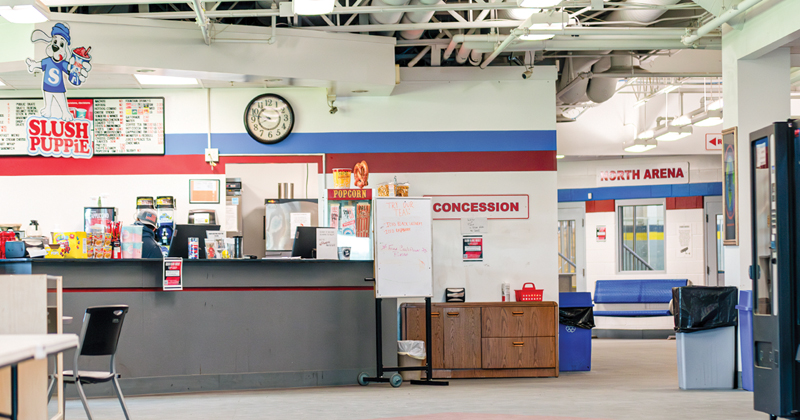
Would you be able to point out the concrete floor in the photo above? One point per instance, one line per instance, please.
(630, 380)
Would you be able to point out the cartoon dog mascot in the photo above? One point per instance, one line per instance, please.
(60, 61)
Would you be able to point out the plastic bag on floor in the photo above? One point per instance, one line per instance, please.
(703, 308)
(576, 317)
(412, 348)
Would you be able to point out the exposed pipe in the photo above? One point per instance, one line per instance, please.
(719, 20)
(418, 17)
(575, 82)
(516, 33)
(384, 19)
(202, 21)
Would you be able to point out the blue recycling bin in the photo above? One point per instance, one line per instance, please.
(574, 343)
(745, 308)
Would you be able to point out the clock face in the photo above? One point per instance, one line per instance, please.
(269, 118)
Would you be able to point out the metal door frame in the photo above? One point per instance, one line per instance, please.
(712, 205)
(577, 211)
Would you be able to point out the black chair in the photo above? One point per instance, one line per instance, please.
(99, 337)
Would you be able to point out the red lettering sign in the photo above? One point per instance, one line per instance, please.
(58, 138)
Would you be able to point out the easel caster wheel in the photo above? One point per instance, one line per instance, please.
(362, 379)
(396, 380)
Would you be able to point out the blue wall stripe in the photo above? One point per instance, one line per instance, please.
(390, 142)
(186, 144)
(645, 191)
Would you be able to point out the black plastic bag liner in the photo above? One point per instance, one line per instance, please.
(577, 317)
(704, 308)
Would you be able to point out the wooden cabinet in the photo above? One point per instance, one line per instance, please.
(414, 329)
(462, 338)
(472, 340)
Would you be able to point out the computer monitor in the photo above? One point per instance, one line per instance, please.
(305, 242)
(179, 247)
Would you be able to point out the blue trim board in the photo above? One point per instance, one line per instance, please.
(378, 142)
(644, 191)
(186, 144)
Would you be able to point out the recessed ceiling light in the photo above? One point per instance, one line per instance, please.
(32, 12)
(152, 79)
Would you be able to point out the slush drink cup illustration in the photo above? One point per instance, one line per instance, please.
(82, 57)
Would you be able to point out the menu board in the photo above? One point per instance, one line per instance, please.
(129, 126)
(122, 126)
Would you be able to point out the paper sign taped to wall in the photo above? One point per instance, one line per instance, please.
(685, 241)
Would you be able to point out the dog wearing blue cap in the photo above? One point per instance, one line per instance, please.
(60, 61)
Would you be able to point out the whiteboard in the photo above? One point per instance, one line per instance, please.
(403, 247)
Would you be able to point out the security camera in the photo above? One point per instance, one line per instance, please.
(527, 74)
(334, 110)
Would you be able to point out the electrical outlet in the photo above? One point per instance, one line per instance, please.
(212, 155)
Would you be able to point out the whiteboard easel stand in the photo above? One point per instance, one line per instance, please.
(396, 380)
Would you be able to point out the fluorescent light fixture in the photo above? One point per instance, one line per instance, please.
(536, 3)
(645, 135)
(152, 79)
(716, 105)
(708, 119)
(312, 7)
(24, 11)
(671, 133)
(559, 156)
(681, 121)
(640, 146)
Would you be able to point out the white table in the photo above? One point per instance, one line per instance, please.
(16, 348)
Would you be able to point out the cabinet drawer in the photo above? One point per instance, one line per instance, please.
(518, 321)
(522, 352)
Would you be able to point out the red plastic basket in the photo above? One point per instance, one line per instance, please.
(529, 294)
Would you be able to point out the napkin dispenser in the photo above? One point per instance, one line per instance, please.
(15, 249)
(455, 294)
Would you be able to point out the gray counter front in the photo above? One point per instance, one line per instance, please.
(238, 324)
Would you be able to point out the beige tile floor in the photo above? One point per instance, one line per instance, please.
(630, 380)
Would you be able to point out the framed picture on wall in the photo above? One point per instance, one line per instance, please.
(730, 186)
(204, 191)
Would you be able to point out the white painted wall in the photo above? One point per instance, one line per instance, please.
(516, 251)
(57, 202)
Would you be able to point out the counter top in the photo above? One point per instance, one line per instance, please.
(158, 260)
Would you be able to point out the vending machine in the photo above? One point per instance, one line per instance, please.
(349, 210)
(775, 205)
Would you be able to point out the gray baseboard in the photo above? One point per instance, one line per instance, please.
(633, 334)
(222, 382)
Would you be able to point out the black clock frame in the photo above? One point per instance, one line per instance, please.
(257, 138)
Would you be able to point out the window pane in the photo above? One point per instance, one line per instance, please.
(642, 238)
(720, 251)
(566, 246)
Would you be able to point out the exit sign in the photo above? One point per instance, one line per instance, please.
(714, 141)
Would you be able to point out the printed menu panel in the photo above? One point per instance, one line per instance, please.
(121, 126)
(129, 126)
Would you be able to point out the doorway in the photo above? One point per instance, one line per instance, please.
(571, 247)
(715, 264)
(259, 182)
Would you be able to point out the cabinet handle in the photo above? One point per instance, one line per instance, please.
(518, 343)
(517, 313)
(452, 314)
(434, 314)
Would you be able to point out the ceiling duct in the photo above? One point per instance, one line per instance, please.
(598, 89)
(418, 17)
(387, 18)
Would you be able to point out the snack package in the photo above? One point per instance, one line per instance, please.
(362, 220)
(71, 244)
(348, 221)
(386, 189)
(402, 190)
(334, 223)
(54, 252)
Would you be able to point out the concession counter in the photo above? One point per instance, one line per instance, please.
(237, 324)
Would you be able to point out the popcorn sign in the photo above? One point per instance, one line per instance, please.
(54, 137)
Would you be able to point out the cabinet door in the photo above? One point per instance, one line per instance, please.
(415, 330)
(462, 338)
(522, 352)
(518, 321)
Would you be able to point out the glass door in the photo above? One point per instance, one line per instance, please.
(715, 258)
(571, 249)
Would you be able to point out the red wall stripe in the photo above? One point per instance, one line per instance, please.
(135, 165)
(218, 289)
(523, 161)
(685, 203)
(600, 206)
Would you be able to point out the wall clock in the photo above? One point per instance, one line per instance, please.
(268, 118)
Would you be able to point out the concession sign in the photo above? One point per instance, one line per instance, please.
(448, 207)
(642, 174)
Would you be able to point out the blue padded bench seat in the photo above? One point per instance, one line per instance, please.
(633, 313)
(637, 293)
